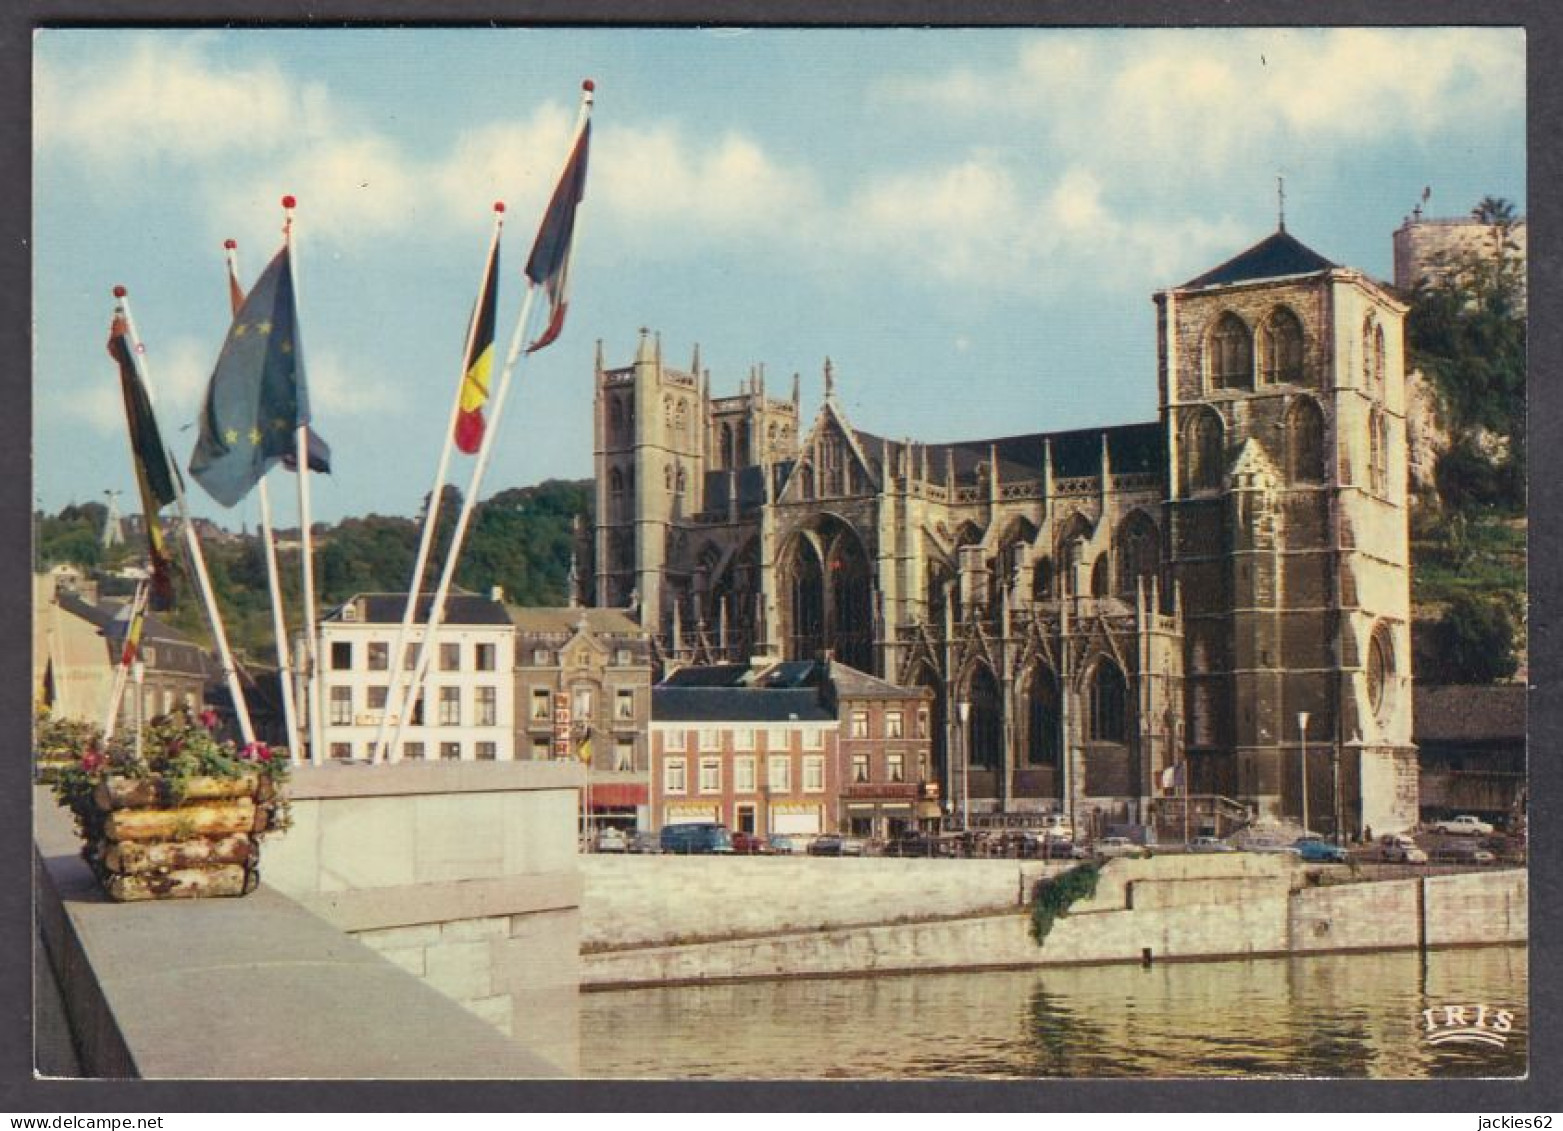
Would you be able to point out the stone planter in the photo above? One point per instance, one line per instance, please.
(145, 841)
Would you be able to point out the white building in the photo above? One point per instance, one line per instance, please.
(466, 710)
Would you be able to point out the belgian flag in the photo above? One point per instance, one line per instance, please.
(155, 474)
(480, 361)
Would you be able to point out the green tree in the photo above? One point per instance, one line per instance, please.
(1472, 643)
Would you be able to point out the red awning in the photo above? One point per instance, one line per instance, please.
(619, 795)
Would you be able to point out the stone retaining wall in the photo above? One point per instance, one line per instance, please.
(1167, 908)
(639, 901)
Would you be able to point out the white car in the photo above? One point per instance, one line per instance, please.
(612, 840)
(1397, 848)
(1463, 825)
(1113, 847)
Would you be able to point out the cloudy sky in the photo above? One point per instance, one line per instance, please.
(969, 223)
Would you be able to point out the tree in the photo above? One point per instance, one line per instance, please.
(1472, 643)
(1466, 330)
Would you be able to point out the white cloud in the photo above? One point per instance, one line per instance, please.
(162, 100)
(175, 373)
(657, 176)
(338, 391)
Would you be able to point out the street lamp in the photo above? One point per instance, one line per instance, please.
(1302, 733)
(964, 708)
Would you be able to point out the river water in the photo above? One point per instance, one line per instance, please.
(1332, 1015)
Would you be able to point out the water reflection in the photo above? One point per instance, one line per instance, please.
(1333, 1015)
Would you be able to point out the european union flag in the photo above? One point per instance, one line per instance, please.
(258, 395)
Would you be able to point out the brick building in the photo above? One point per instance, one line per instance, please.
(887, 783)
(583, 687)
(754, 758)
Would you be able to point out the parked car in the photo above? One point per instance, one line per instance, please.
(781, 845)
(1115, 847)
(611, 839)
(1056, 826)
(697, 838)
(1398, 848)
(1468, 854)
(1269, 844)
(1059, 848)
(1210, 844)
(645, 843)
(833, 844)
(748, 844)
(1463, 825)
(919, 844)
(1316, 850)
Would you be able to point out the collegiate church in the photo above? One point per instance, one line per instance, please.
(1221, 592)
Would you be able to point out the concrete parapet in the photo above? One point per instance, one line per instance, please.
(464, 873)
(253, 988)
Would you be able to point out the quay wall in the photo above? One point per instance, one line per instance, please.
(638, 901)
(463, 874)
(1166, 908)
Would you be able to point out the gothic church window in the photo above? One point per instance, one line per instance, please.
(727, 445)
(1305, 443)
(1202, 453)
(1108, 701)
(1044, 731)
(615, 418)
(1042, 579)
(615, 494)
(1099, 585)
(1378, 359)
(1139, 555)
(1283, 348)
(1378, 449)
(1231, 354)
(1381, 669)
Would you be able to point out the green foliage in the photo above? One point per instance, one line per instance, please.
(520, 540)
(1472, 643)
(1054, 897)
(1466, 330)
(175, 750)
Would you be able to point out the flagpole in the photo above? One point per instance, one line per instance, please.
(138, 608)
(485, 449)
(268, 541)
(301, 442)
(193, 547)
(380, 752)
(437, 606)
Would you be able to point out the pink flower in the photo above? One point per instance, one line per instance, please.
(209, 719)
(92, 760)
(256, 752)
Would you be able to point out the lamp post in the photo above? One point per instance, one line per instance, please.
(1302, 734)
(138, 673)
(1335, 810)
(964, 708)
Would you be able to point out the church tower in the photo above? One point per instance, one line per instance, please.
(1282, 389)
(650, 473)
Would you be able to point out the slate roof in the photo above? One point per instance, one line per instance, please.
(1468, 713)
(388, 608)
(736, 705)
(708, 675)
(853, 684)
(564, 619)
(1278, 255)
(1133, 449)
(111, 618)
